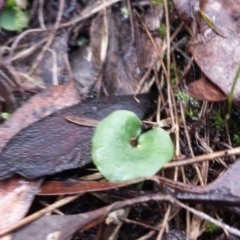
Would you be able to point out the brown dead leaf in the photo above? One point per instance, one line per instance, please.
(73, 186)
(126, 59)
(16, 196)
(216, 48)
(55, 144)
(203, 89)
(121, 72)
(41, 105)
(82, 121)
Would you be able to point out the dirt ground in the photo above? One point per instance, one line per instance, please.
(175, 64)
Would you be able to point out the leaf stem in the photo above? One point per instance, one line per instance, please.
(230, 96)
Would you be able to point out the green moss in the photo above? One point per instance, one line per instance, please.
(157, 3)
(212, 228)
(218, 120)
(162, 30)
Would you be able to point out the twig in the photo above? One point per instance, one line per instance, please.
(131, 21)
(89, 13)
(50, 39)
(40, 14)
(207, 157)
(154, 45)
(209, 219)
(54, 67)
(28, 51)
(125, 220)
(20, 37)
(169, 90)
(147, 236)
(164, 224)
(104, 42)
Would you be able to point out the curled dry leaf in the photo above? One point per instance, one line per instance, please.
(16, 196)
(215, 47)
(55, 144)
(225, 190)
(203, 89)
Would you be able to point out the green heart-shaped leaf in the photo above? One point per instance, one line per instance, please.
(115, 155)
(10, 3)
(14, 19)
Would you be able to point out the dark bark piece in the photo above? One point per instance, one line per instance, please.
(85, 72)
(54, 144)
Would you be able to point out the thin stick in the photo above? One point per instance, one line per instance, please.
(164, 224)
(169, 89)
(154, 45)
(20, 37)
(50, 39)
(29, 51)
(207, 157)
(40, 14)
(209, 219)
(54, 67)
(88, 14)
(147, 236)
(104, 42)
(230, 96)
(131, 21)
